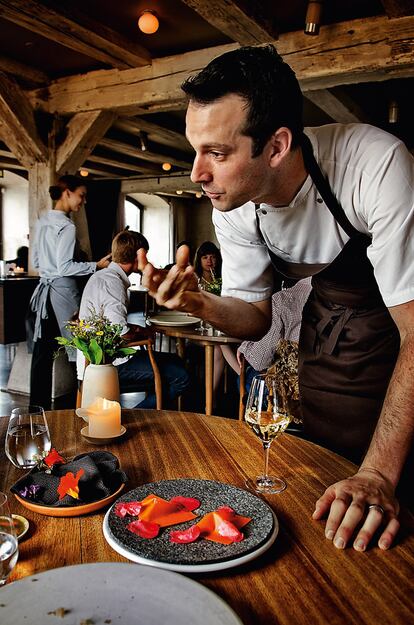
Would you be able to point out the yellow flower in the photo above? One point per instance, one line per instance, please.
(100, 333)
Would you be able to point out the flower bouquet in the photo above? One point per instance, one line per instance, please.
(98, 339)
(212, 286)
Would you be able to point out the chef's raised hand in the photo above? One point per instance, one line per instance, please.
(175, 288)
(357, 509)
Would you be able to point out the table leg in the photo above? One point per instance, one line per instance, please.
(180, 347)
(209, 366)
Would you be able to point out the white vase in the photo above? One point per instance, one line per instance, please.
(99, 381)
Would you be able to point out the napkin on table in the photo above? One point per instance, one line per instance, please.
(102, 476)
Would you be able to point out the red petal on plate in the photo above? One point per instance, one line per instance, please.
(145, 529)
(131, 508)
(228, 530)
(189, 503)
(228, 514)
(189, 535)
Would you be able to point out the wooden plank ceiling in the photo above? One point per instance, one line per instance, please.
(108, 91)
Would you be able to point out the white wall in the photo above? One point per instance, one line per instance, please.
(156, 227)
(15, 205)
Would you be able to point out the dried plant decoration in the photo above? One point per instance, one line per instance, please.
(285, 371)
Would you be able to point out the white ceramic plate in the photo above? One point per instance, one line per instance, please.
(202, 556)
(172, 318)
(112, 592)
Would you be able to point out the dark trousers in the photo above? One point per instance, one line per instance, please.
(42, 362)
(137, 375)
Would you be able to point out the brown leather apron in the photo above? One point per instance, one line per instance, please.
(348, 343)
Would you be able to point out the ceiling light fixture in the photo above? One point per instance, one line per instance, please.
(179, 192)
(313, 17)
(84, 173)
(143, 140)
(166, 166)
(148, 22)
(393, 112)
(199, 194)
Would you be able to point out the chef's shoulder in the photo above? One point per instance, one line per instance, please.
(242, 218)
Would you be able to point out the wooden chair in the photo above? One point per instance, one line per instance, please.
(148, 343)
(242, 387)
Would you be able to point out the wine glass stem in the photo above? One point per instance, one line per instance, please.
(266, 447)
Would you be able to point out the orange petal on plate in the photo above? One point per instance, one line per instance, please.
(222, 526)
(163, 512)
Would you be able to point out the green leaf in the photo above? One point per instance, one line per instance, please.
(126, 351)
(62, 340)
(80, 344)
(96, 352)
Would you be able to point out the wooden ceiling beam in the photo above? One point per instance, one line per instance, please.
(398, 8)
(18, 70)
(17, 124)
(134, 125)
(338, 105)
(124, 164)
(248, 23)
(10, 163)
(83, 132)
(107, 172)
(75, 31)
(164, 184)
(147, 155)
(363, 50)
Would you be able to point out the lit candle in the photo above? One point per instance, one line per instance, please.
(104, 418)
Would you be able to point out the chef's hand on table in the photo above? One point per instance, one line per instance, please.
(351, 515)
(175, 288)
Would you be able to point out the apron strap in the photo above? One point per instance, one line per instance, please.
(324, 189)
(338, 323)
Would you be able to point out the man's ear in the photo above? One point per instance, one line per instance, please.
(279, 146)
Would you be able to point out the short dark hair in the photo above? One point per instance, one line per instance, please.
(126, 244)
(261, 77)
(208, 247)
(65, 182)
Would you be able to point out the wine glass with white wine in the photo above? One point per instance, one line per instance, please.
(268, 414)
(9, 550)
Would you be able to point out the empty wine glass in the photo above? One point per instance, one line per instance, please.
(27, 435)
(9, 550)
(268, 414)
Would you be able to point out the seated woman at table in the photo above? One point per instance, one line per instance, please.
(207, 266)
(56, 298)
(107, 291)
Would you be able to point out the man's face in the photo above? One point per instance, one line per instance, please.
(223, 163)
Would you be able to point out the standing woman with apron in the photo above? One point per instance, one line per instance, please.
(56, 298)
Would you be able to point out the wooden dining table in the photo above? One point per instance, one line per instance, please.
(209, 339)
(300, 579)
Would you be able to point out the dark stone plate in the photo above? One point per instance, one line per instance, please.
(212, 495)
